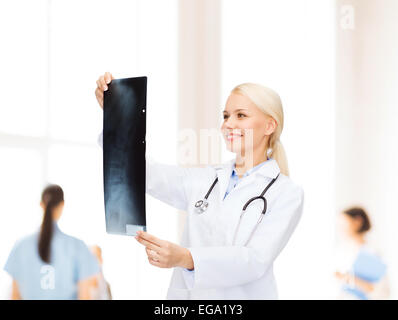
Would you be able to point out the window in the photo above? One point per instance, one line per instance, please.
(53, 52)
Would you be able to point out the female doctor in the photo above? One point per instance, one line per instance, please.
(241, 214)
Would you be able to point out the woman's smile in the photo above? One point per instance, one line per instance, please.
(233, 136)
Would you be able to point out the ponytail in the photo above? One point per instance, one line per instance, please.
(278, 153)
(52, 196)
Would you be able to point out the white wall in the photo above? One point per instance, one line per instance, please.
(289, 46)
(52, 54)
(366, 116)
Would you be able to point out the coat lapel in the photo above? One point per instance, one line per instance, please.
(224, 172)
(268, 170)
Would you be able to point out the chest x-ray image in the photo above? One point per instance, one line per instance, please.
(124, 155)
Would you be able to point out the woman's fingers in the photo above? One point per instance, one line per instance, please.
(154, 258)
(99, 86)
(102, 85)
(148, 237)
(147, 244)
(99, 94)
(108, 77)
(155, 263)
(161, 253)
(152, 254)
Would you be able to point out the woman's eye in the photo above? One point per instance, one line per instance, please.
(241, 114)
(225, 116)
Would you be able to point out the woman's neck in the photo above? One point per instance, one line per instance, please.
(358, 239)
(243, 164)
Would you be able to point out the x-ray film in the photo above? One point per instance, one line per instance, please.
(124, 155)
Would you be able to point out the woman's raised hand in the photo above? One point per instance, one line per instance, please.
(102, 85)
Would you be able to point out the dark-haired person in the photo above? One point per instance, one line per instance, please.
(50, 264)
(366, 277)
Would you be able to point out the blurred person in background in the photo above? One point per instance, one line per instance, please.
(100, 289)
(50, 264)
(365, 274)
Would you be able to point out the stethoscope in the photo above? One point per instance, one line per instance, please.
(202, 205)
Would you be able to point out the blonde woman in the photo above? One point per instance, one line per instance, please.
(240, 214)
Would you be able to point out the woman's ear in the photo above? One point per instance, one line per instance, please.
(270, 126)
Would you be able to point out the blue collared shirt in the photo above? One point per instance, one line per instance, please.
(234, 180)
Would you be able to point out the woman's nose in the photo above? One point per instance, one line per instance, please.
(227, 126)
(229, 123)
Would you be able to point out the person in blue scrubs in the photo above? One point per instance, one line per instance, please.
(367, 276)
(50, 264)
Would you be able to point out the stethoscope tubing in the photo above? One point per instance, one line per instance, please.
(201, 206)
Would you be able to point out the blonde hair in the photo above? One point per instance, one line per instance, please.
(269, 102)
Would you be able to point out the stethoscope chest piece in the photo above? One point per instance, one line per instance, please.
(201, 206)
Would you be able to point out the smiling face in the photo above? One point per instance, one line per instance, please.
(246, 128)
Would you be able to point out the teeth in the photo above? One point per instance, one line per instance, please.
(234, 135)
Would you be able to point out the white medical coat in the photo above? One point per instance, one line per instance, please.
(223, 270)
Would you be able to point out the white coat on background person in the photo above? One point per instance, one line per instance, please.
(221, 268)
